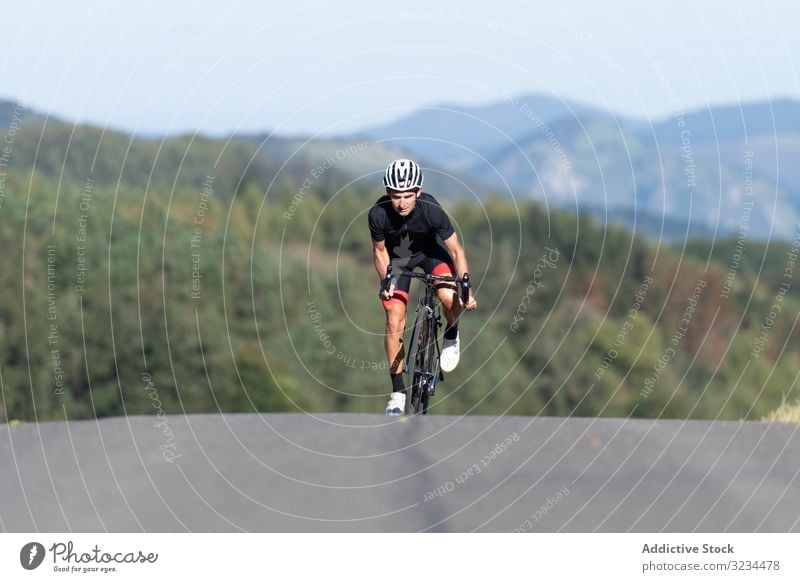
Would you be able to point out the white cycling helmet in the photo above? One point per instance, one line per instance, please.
(403, 175)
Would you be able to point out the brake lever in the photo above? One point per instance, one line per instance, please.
(387, 281)
(465, 287)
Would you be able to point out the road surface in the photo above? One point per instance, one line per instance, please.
(352, 472)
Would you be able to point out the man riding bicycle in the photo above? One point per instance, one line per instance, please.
(410, 229)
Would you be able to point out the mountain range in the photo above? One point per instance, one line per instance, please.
(720, 171)
(716, 171)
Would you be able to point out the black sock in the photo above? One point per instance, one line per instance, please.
(450, 332)
(397, 382)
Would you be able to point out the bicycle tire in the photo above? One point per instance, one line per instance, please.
(419, 363)
(416, 398)
(420, 376)
(412, 364)
(422, 361)
(427, 363)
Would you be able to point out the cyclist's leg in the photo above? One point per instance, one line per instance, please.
(439, 262)
(395, 309)
(448, 296)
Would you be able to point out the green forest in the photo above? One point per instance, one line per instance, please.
(197, 275)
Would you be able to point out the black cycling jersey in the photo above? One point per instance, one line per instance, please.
(419, 232)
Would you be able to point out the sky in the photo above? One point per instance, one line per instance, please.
(333, 67)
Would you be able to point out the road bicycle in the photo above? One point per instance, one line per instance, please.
(422, 359)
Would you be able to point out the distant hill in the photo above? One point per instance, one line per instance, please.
(736, 122)
(715, 169)
(11, 109)
(68, 153)
(457, 133)
(363, 160)
(63, 151)
(697, 167)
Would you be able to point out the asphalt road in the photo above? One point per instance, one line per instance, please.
(349, 472)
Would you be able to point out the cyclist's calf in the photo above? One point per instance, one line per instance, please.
(395, 326)
(450, 303)
(395, 317)
(448, 296)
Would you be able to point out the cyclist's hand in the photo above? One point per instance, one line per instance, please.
(386, 295)
(471, 304)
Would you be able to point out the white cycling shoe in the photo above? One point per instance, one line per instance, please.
(397, 404)
(448, 360)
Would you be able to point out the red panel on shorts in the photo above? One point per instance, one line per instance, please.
(443, 269)
(398, 296)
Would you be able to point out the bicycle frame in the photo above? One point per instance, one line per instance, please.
(423, 354)
(422, 359)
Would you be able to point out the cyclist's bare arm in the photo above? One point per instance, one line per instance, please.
(381, 257)
(457, 252)
(460, 262)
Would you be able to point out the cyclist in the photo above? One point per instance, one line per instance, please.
(410, 229)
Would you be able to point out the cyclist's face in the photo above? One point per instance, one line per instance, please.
(403, 202)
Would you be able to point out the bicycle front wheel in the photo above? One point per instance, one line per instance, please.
(431, 365)
(414, 361)
(427, 364)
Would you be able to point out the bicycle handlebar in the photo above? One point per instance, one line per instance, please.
(463, 281)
